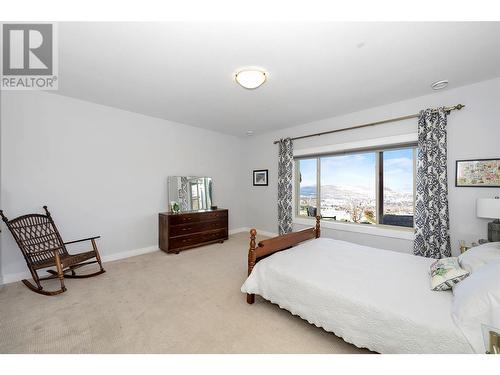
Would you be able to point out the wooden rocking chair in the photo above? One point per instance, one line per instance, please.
(42, 247)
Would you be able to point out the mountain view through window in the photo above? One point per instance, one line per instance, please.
(349, 190)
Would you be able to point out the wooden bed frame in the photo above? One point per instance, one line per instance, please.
(273, 245)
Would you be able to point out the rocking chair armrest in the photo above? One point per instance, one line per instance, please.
(83, 239)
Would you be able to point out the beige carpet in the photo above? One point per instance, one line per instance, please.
(159, 303)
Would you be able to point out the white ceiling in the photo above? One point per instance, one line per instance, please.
(184, 71)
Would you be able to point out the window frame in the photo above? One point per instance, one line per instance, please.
(379, 150)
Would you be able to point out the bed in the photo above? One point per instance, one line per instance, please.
(372, 298)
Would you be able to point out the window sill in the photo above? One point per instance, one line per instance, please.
(374, 230)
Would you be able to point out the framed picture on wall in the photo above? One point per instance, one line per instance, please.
(478, 173)
(260, 177)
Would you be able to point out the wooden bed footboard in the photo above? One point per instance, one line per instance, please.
(272, 245)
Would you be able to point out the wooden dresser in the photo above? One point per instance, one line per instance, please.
(186, 230)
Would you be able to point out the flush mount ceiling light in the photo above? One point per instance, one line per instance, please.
(438, 85)
(250, 78)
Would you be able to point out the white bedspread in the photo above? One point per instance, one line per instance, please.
(372, 298)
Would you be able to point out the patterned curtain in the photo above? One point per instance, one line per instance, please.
(432, 239)
(285, 185)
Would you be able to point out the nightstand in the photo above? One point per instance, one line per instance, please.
(491, 337)
(464, 247)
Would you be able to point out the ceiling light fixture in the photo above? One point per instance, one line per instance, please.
(438, 85)
(250, 78)
(249, 133)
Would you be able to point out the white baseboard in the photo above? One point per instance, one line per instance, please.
(14, 277)
(237, 230)
(265, 233)
(18, 276)
(129, 253)
(259, 232)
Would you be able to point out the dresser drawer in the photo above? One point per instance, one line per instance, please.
(194, 239)
(202, 226)
(186, 230)
(197, 217)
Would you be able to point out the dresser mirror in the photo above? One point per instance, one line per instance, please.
(192, 193)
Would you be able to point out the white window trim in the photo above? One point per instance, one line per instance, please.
(374, 230)
(358, 145)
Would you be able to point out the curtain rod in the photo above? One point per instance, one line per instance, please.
(457, 107)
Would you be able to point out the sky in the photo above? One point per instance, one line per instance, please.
(359, 170)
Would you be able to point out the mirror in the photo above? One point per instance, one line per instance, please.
(190, 192)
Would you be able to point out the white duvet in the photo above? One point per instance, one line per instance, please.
(372, 298)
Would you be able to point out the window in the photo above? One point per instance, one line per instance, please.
(195, 198)
(397, 182)
(348, 190)
(374, 187)
(197, 194)
(308, 187)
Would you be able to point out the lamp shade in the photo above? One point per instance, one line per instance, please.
(488, 208)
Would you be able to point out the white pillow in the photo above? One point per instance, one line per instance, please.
(445, 273)
(480, 255)
(476, 301)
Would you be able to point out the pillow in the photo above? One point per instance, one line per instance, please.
(480, 255)
(445, 273)
(476, 301)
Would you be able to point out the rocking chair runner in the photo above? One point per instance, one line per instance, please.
(42, 247)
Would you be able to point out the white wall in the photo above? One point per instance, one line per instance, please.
(473, 132)
(103, 171)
